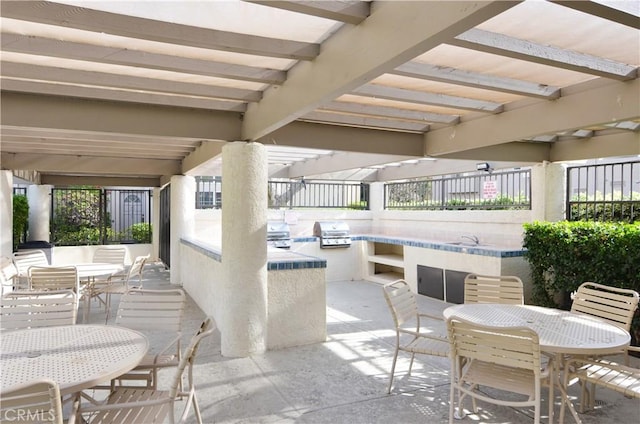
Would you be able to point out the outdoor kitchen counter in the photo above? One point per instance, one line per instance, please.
(296, 291)
(277, 259)
(448, 246)
(480, 249)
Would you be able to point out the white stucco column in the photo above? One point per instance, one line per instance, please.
(39, 197)
(244, 249)
(183, 205)
(548, 190)
(376, 202)
(6, 213)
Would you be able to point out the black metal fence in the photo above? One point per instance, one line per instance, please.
(83, 216)
(604, 192)
(20, 191)
(292, 194)
(164, 222)
(303, 194)
(208, 192)
(495, 190)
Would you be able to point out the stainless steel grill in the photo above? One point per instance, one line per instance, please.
(278, 234)
(333, 234)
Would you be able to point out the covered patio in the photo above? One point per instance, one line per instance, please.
(152, 94)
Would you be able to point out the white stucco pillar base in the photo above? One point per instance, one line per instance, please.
(183, 204)
(6, 213)
(244, 249)
(39, 197)
(548, 188)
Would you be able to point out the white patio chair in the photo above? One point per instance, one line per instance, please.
(24, 259)
(410, 335)
(612, 304)
(36, 402)
(503, 358)
(153, 312)
(111, 255)
(602, 372)
(493, 289)
(8, 274)
(148, 405)
(33, 309)
(133, 275)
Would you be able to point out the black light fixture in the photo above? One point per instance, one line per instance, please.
(483, 166)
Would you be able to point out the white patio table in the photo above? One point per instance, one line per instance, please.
(87, 273)
(561, 333)
(77, 357)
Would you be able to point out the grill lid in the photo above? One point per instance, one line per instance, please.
(278, 234)
(332, 234)
(331, 229)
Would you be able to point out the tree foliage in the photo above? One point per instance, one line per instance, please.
(20, 219)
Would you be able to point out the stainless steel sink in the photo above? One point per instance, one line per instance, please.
(465, 244)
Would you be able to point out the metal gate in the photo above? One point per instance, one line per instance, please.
(85, 216)
(165, 225)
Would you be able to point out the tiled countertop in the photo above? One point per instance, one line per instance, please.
(277, 259)
(482, 249)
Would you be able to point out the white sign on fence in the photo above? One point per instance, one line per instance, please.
(489, 190)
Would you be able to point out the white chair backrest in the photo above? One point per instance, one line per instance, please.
(110, 255)
(8, 273)
(26, 258)
(33, 309)
(37, 401)
(612, 304)
(206, 328)
(401, 301)
(493, 289)
(517, 347)
(54, 278)
(152, 310)
(136, 268)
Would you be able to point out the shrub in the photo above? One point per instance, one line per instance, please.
(20, 219)
(140, 232)
(563, 255)
(361, 205)
(612, 207)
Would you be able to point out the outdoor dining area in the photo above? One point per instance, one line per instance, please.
(390, 356)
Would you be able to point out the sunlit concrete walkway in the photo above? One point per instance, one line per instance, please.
(343, 380)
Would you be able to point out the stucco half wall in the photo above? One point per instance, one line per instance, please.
(296, 294)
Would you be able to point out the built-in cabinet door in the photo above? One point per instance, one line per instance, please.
(455, 285)
(431, 282)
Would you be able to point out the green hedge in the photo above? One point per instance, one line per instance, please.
(563, 255)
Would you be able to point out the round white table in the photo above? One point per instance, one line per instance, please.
(560, 333)
(77, 357)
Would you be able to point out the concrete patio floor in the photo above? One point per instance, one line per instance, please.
(343, 380)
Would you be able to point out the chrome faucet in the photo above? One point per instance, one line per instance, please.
(474, 239)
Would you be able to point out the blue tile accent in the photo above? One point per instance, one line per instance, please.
(206, 250)
(290, 261)
(294, 260)
(447, 247)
